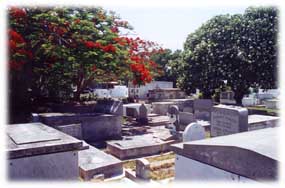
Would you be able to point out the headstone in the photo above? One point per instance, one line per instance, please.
(143, 169)
(203, 108)
(173, 111)
(132, 112)
(203, 105)
(188, 106)
(194, 131)
(35, 117)
(227, 120)
(186, 118)
(142, 116)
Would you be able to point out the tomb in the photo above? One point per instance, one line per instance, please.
(39, 152)
(94, 126)
(243, 157)
(138, 146)
(93, 162)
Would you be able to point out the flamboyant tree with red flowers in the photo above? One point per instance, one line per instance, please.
(65, 49)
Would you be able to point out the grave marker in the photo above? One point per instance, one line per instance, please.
(142, 116)
(173, 111)
(227, 120)
(194, 131)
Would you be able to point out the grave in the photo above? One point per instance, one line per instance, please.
(271, 104)
(194, 131)
(227, 97)
(202, 109)
(93, 162)
(39, 152)
(243, 157)
(261, 121)
(186, 118)
(137, 146)
(228, 120)
(136, 106)
(72, 130)
(185, 105)
(132, 112)
(143, 169)
(173, 112)
(142, 116)
(161, 108)
(109, 107)
(95, 126)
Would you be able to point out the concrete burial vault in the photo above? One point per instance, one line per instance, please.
(247, 156)
(39, 152)
(94, 162)
(93, 126)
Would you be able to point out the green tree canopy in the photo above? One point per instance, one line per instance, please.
(241, 49)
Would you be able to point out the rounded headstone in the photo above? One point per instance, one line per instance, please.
(194, 131)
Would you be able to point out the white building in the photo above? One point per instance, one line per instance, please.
(142, 91)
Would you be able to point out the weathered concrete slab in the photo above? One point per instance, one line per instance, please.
(74, 130)
(261, 121)
(60, 142)
(30, 157)
(23, 134)
(157, 120)
(95, 126)
(161, 108)
(93, 162)
(137, 146)
(248, 154)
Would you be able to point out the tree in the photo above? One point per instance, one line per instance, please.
(169, 61)
(241, 49)
(75, 46)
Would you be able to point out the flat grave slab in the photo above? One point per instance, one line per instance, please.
(94, 162)
(22, 134)
(36, 138)
(39, 152)
(137, 146)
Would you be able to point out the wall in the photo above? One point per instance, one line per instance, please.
(56, 166)
(187, 169)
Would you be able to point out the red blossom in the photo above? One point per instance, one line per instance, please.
(17, 12)
(94, 68)
(77, 21)
(16, 36)
(89, 44)
(12, 44)
(109, 48)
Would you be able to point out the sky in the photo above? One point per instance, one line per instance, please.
(170, 26)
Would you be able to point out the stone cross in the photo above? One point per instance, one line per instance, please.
(194, 131)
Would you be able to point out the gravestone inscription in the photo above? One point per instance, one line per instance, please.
(227, 120)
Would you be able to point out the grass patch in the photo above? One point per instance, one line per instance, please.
(263, 109)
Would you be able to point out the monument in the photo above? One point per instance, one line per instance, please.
(227, 120)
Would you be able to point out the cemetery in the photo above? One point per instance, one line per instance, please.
(162, 123)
